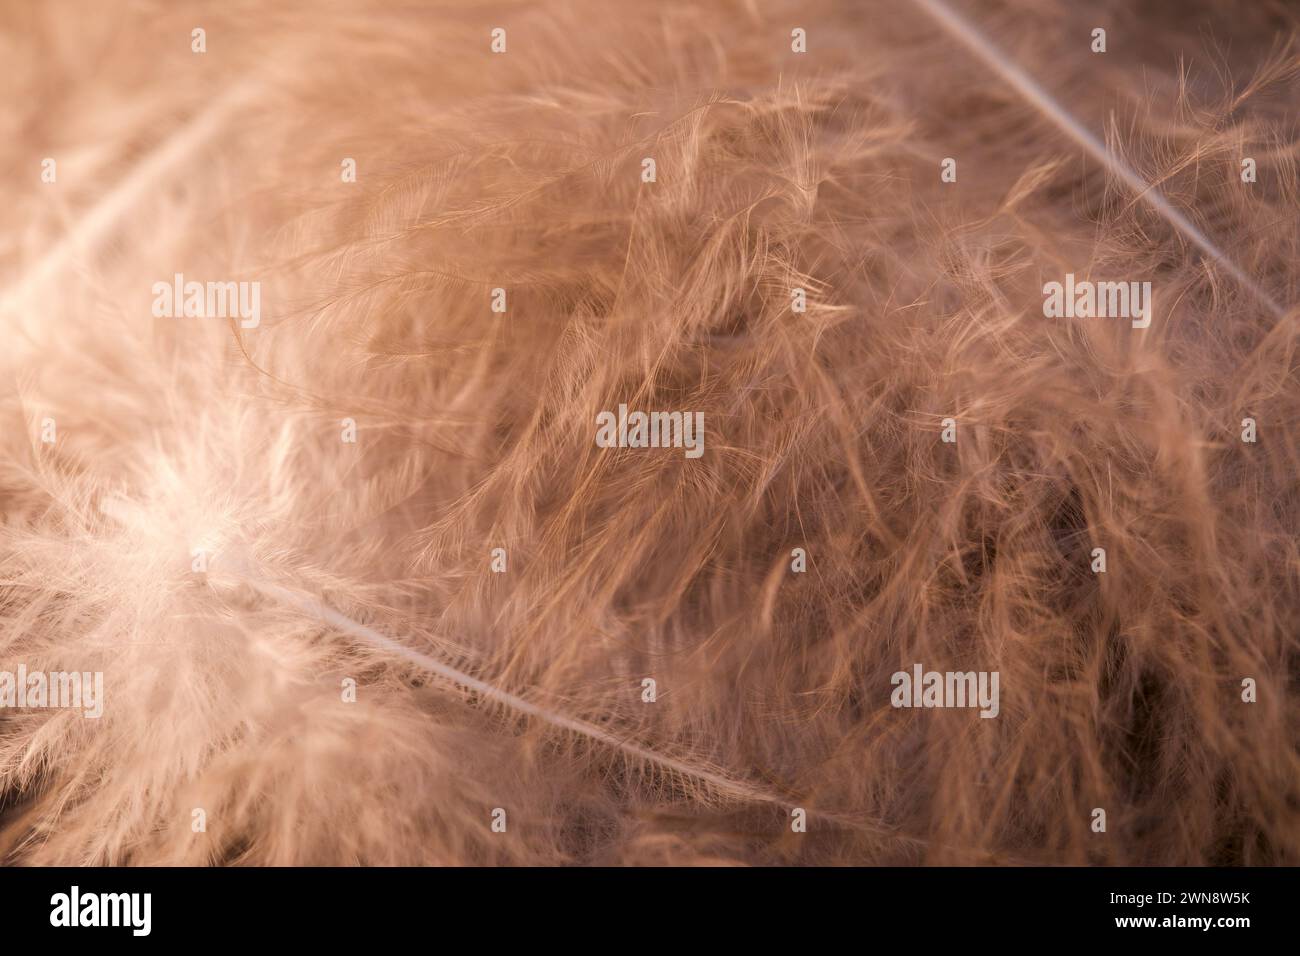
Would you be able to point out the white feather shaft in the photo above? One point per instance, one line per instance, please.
(314, 608)
(113, 206)
(1029, 88)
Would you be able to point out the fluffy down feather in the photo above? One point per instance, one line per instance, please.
(522, 171)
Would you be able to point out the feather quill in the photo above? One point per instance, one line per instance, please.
(970, 36)
(92, 225)
(237, 565)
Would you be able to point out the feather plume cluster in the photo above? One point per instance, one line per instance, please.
(137, 448)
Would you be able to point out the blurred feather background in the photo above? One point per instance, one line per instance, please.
(522, 171)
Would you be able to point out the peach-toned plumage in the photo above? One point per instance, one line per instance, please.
(523, 690)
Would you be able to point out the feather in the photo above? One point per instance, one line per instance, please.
(970, 36)
(454, 604)
(237, 564)
(92, 224)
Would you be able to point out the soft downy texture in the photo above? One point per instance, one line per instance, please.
(522, 171)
